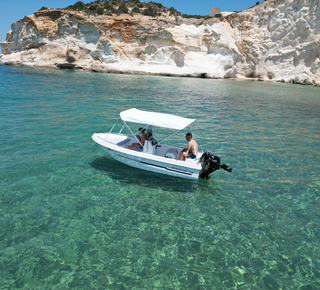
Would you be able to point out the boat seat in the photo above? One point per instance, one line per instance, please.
(171, 153)
(123, 142)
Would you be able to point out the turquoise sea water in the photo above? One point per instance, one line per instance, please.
(72, 218)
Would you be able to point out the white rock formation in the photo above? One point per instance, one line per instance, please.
(278, 39)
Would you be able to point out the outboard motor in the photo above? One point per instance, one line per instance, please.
(211, 163)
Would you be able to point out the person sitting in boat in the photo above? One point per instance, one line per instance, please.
(191, 151)
(141, 139)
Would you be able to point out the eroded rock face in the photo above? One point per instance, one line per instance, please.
(278, 39)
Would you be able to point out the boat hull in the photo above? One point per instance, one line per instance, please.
(150, 162)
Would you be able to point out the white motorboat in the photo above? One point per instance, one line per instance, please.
(154, 155)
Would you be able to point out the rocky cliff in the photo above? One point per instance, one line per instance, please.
(278, 40)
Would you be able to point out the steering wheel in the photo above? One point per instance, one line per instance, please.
(153, 141)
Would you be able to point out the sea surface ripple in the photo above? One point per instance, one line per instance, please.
(71, 217)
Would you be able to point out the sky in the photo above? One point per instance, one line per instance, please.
(14, 10)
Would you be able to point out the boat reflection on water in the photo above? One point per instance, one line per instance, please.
(128, 175)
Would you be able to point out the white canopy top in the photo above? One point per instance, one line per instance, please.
(155, 119)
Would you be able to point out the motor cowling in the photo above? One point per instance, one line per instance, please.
(211, 163)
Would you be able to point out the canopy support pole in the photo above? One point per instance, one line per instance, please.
(121, 129)
(112, 129)
(168, 136)
(133, 134)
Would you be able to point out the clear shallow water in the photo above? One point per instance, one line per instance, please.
(71, 217)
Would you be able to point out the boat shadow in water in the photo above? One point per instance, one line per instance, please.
(127, 174)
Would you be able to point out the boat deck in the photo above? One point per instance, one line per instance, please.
(161, 150)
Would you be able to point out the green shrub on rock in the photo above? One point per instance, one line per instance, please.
(100, 10)
(122, 8)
